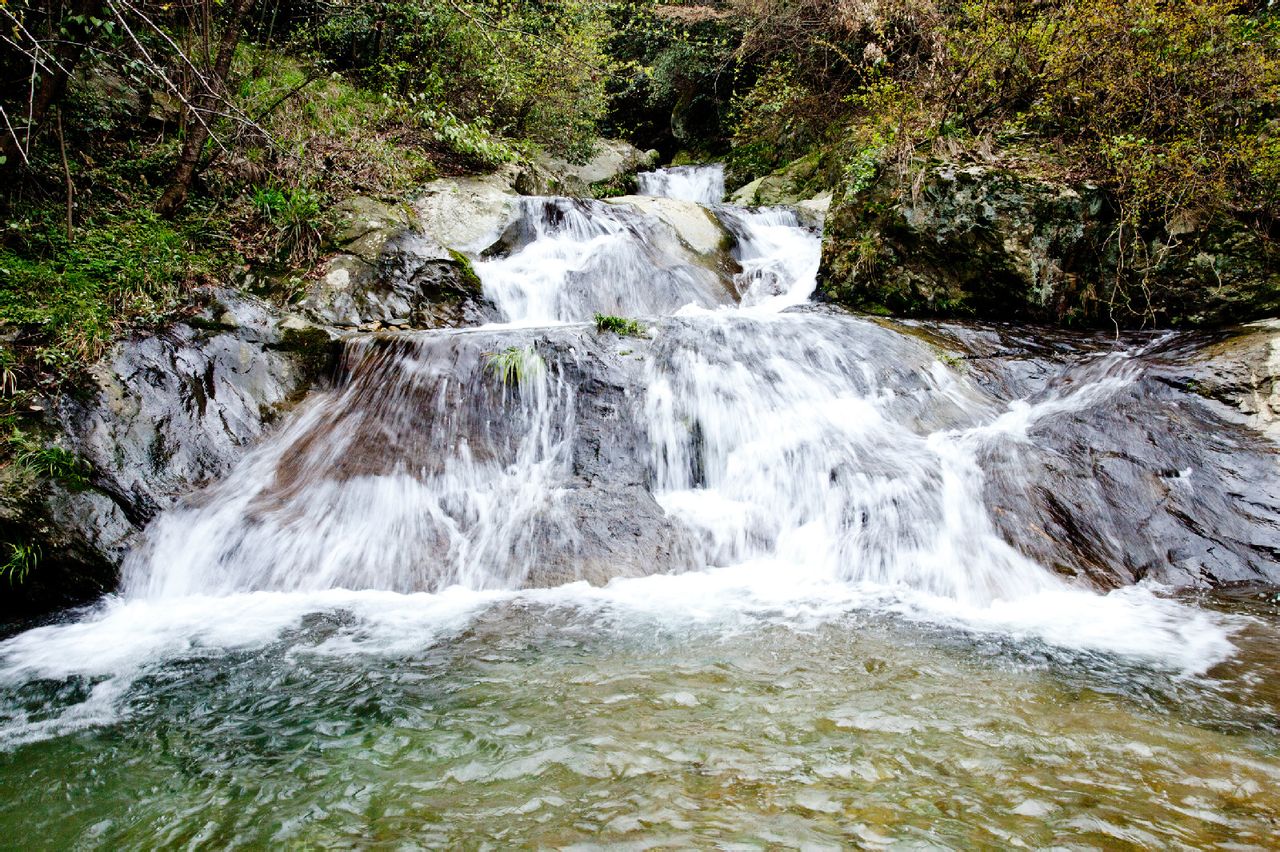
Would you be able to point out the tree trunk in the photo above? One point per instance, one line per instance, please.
(52, 83)
(200, 113)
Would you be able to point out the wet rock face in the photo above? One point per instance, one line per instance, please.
(164, 414)
(175, 409)
(621, 531)
(1240, 367)
(977, 241)
(1153, 483)
(429, 467)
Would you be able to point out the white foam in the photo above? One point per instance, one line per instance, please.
(702, 184)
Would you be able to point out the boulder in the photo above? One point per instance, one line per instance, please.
(389, 273)
(363, 225)
(998, 243)
(466, 214)
(798, 181)
(611, 162)
(160, 416)
(696, 226)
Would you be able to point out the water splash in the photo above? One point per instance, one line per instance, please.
(565, 260)
(779, 257)
(703, 184)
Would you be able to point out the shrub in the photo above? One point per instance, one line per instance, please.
(1172, 105)
(530, 69)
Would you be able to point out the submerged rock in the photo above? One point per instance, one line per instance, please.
(995, 243)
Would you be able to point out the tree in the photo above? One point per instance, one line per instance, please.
(201, 109)
(50, 39)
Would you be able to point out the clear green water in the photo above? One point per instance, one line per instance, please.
(534, 724)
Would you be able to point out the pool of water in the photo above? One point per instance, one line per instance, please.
(555, 719)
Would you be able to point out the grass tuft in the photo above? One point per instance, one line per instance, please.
(620, 326)
(515, 365)
(56, 463)
(22, 559)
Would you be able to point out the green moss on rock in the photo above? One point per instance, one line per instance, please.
(996, 243)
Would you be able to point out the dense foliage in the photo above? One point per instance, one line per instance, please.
(1174, 105)
(113, 108)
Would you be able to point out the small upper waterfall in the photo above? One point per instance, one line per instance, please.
(702, 184)
(565, 260)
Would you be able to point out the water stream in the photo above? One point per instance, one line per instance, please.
(737, 581)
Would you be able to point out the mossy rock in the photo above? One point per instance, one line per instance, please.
(955, 240)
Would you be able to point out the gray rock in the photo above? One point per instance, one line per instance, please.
(611, 161)
(467, 214)
(1156, 483)
(162, 415)
(696, 227)
(390, 273)
(172, 411)
(1240, 367)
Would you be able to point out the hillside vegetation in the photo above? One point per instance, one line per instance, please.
(149, 148)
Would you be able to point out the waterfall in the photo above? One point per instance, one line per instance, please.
(565, 260)
(702, 184)
(430, 467)
(818, 442)
(736, 454)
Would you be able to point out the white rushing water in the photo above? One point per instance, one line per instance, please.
(817, 463)
(566, 260)
(702, 184)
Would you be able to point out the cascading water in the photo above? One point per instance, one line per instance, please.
(821, 446)
(819, 443)
(565, 260)
(747, 464)
(470, 480)
(701, 184)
